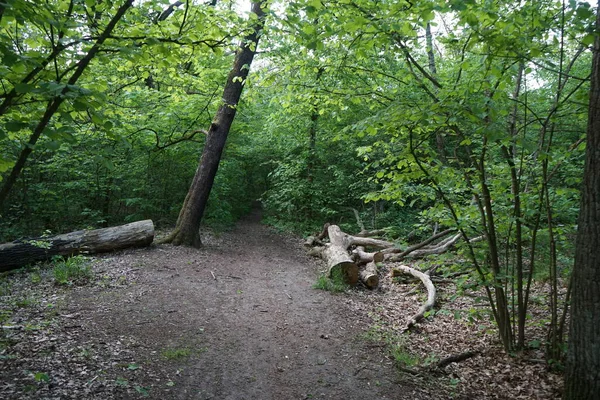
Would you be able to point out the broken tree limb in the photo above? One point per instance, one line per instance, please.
(440, 248)
(369, 276)
(324, 232)
(456, 358)
(403, 253)
(23, 252)
(363, 231)
(431, 294)
(363, 257)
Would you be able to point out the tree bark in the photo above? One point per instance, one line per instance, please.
(19, 253)
(187, 231)
(582, 374)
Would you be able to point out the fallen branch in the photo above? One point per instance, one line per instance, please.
(417, 246)
(363, 257)
(456, 358)
(437, 249)
(431, 294)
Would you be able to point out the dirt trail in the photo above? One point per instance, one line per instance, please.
(257, 331)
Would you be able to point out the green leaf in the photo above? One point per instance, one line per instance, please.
(589, 39)
(15, 126)
(41, 377)
(24, 87)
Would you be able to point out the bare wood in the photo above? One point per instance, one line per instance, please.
(364, 257)
(421, 251)
(417, 246)
(316, 251)
(358, 220)
(375, 232)
(337, 257)
(370, 242)
(431, 293)
(19, 253)
(312, 241)
(369, 276)
(442, 248)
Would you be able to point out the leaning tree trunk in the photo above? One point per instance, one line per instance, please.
(582, 374)
(188, 224)
(19, 253)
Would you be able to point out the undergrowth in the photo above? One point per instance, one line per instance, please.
(73, 270)
(335, 283)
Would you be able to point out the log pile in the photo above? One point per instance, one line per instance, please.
(356, 258)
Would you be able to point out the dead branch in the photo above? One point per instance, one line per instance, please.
(363, 257)
(431, 294)
(358, 220)
(437, 249)
(324, 231)
(456, 358)
(419, 245)
(370, 242)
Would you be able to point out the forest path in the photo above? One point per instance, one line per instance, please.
(257, 331)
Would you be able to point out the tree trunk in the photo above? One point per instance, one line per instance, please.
(582, 374)
(19, 253)
(188, 225)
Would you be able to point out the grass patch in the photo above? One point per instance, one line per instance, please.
(176, 353)
(74, 270)
(335, 283)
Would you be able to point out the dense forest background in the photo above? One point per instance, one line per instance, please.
(421, 115)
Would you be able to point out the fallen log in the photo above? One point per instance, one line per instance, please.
(369, 276)
(22, 252)
(431, 294)
(337, 257)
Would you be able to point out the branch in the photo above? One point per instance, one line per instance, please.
(431, 294)
(456, 358)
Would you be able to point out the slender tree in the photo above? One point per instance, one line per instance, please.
(188, 224)
(582, 375)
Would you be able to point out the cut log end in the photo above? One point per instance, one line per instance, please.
(369, 276)
(347, 270)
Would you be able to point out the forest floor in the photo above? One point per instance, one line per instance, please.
(240, 319)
